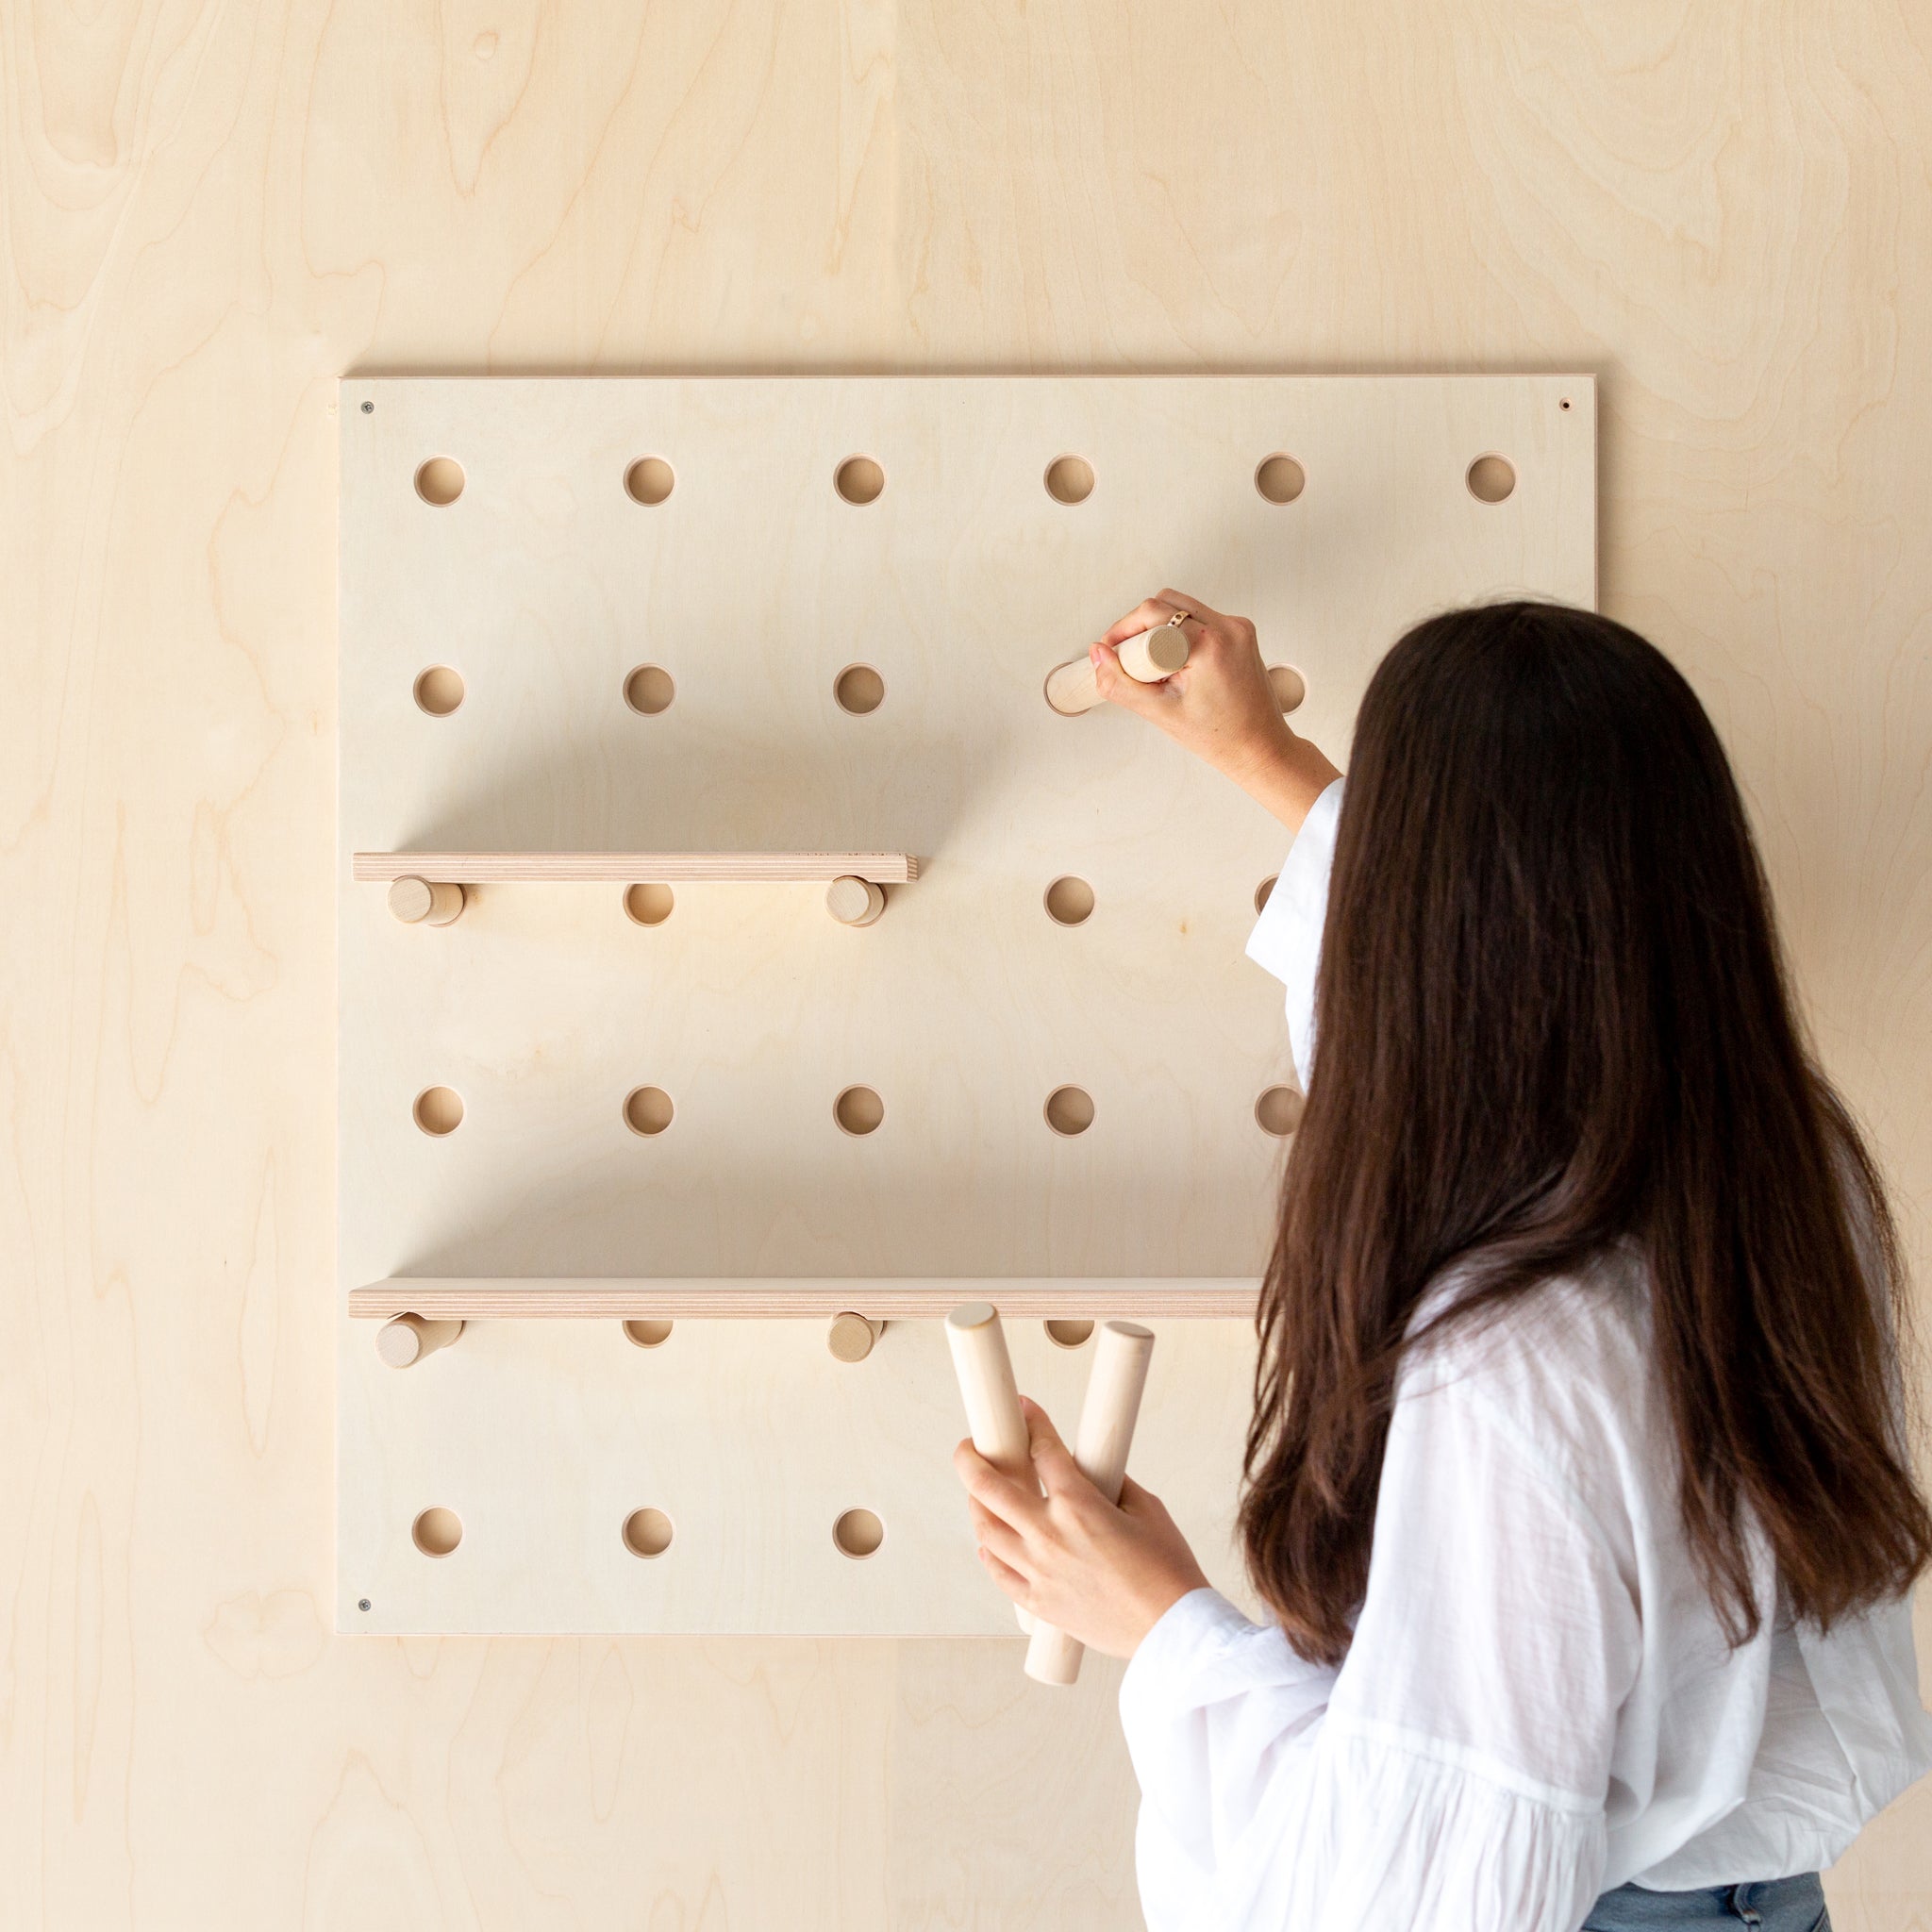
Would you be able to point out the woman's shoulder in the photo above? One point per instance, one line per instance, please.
(1566, 1368)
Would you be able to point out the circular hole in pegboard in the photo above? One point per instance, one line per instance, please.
(648, 1333)
(1069, 1110)
(1289, 686)
(1491, 477)
(648, 905)
(859, 479)
(858, 1110)
(1069, 1334)
(438, 1111)
(858, 1532)
(436, 1532)
(1280, 478)
(859, 690)
(647, 1532)
(1068, 901)
(1278, 1111)
(1265, 891)
(1070, 480)
(649, 690)
(440, 482)
(649, 481)
(439, 690)
(647, 1110)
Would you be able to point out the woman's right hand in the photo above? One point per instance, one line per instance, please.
(1219, 704)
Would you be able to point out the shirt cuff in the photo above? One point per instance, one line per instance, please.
(1162, 1667)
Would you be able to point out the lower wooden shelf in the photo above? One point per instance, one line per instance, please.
(621, 868)
(639, 1297)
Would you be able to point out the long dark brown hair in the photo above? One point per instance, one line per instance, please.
(1551, 1016)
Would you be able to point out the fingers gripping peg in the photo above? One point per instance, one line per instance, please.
(1147, 659)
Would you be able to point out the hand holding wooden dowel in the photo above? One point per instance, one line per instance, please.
(1147, 656)
(1095, 1571)
(1220, 705)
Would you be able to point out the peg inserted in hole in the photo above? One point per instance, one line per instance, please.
(851, 1335)
(1107, 1430)
(425, 902)
(1147, 659)
(855, 901)
(409, 1338)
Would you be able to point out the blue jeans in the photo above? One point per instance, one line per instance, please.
(1777, 1905)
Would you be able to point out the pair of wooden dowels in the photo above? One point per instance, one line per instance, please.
(998, 1427)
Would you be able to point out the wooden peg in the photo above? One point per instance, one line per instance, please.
(993, 1416)
(420, 902)
(851, 1337)
(1107, 1430)
(409, 1338)
(855, 901)
(1146, 658)
(987, 1387)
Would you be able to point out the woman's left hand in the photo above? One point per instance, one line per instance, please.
(1102, 1573)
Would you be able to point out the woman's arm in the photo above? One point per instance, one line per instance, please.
(1453, 1773)
(1220, 705)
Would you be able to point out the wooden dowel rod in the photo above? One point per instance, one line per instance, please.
(1107, 1431)
(1147, 658)
(993, 1416)
(987, 1387)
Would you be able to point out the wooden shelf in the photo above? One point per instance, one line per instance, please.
(638, 1297)
(632, 868)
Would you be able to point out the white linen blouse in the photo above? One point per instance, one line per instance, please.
(1538, 1703)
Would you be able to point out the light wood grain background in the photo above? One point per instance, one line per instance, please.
(208, 212)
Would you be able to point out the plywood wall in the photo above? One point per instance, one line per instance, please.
(208, 213)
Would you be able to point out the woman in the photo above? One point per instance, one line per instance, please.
(1577, 1488)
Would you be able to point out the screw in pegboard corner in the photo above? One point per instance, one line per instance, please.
(369, 409)
(362, 1603)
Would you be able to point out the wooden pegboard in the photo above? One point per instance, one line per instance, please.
(540, 592)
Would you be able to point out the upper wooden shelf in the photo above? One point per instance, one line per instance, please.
(622, 868)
